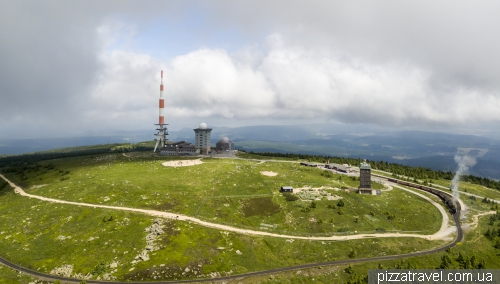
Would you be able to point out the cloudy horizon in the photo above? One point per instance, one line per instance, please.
(94, 66)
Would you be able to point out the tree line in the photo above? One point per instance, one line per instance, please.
(73, 152)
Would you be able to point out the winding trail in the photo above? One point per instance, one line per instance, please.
(438, 235)
(48, 277)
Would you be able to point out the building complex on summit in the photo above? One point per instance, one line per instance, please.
(181, 148)
(202, 144)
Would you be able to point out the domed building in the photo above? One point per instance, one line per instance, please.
(224, 144)
(202, 138)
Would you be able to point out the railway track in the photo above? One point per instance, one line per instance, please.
(48, 277)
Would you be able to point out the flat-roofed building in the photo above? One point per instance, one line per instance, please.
(181, 148)
(308, 164)
(339, 167)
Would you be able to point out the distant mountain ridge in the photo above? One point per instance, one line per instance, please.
(414, 148)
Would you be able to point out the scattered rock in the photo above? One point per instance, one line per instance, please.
(106, 276)
(64, 270)
(238, 252)
(154, 230)
(62, 238)
(214, 274)
(81, 276)
(144, 255)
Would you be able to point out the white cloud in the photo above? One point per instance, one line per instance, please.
(212, 83)
(384, 63)
(126, 91)
(288, 82)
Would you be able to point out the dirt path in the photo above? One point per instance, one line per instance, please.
(475, 223)
(475, 218)
(20, 191)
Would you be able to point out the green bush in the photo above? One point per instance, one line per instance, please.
(100, 269)
(3, 184)
(290, 197)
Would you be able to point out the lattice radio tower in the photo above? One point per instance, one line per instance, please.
(161, 136)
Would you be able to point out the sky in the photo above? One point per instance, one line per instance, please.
(91, 67)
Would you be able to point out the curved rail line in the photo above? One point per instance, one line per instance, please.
(43, 276)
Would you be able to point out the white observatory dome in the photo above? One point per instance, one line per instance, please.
(203, 125)
(224, 140)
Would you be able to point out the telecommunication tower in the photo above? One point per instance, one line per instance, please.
(161, 136)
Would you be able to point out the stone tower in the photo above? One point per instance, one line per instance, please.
(365, 182)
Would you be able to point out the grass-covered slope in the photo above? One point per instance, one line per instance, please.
(99, 242)
(233, 192)
(45, 236)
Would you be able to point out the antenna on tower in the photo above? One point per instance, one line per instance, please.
(162, 129)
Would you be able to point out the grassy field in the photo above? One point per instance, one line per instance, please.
(463, 186)
(473, 189)
(8, 275)
(233, 192)
(475, 249)
(44, 236)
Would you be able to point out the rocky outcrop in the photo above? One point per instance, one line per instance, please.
(64, 270)
(154, 230)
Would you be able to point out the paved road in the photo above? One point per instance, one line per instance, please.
(42, 276)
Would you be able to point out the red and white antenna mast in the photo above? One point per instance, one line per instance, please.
(162, 129)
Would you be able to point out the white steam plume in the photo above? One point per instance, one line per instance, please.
(464, 163)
